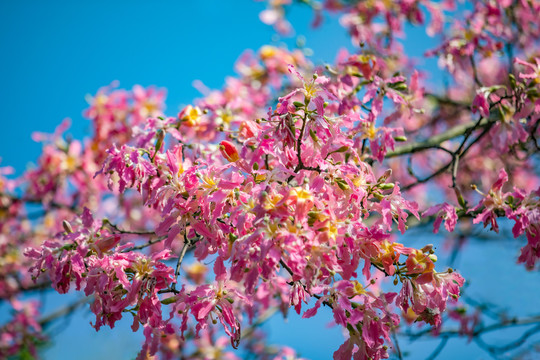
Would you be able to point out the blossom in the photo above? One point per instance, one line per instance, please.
(494, 201)
(147, 102)
(130, 166)
(480, 104)
(310, 90)
(535, 67)
(190, 115)
(22, 332)
(394, 205)
(428, 295)
(444, 212)
(217, 300)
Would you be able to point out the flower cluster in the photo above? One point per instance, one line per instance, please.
(522, 207)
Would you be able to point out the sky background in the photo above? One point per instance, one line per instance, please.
(54, 53)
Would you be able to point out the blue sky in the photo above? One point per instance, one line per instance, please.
(56, 52)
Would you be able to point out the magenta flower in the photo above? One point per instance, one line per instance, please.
(494, 201)
(444, 212)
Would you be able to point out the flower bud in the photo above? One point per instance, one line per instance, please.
(169, 300)
(342, 184)
(427, 248)
(386, 186)
(513, 82)
(160, 135)
(400, 138)
(228, 150)
(385, 176)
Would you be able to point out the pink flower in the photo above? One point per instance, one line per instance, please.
(130, 166)
(23, 332)
(534, 74)
(480, 104)
(493, 202)
(444, 212)
(394, 205)
(147, 102)
(217, 300)
(527, 220)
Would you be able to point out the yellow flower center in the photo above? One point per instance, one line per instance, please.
(371, 131)
(310, 90)
(267, 52)
(358, 288)
(271, 201)
(301, 194)
(142, 267)
(208, 182)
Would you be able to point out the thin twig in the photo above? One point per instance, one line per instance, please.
(396, 343)
(475, 71)
(65, 310)
(259, 321)
(123, 231)
(145, 245)
(436, 140)
(438, 349)
(187, 243)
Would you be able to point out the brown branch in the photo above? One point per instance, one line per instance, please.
(445, 167)
(475, 71)
(52, 204)
(145, 245)
(438, 349)
(65, 310)
(123, 231)
(187, 243)
(436, 140)
(480, 331)
(259, 321)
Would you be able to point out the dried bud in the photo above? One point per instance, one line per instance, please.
(67, 227)
(385, 176)
(427, 248)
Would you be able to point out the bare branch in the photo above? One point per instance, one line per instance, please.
(436, 140)
(65, 310)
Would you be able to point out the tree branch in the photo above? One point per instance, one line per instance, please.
(65, 310)
(436, 140)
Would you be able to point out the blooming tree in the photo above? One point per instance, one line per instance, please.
(291, 187)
